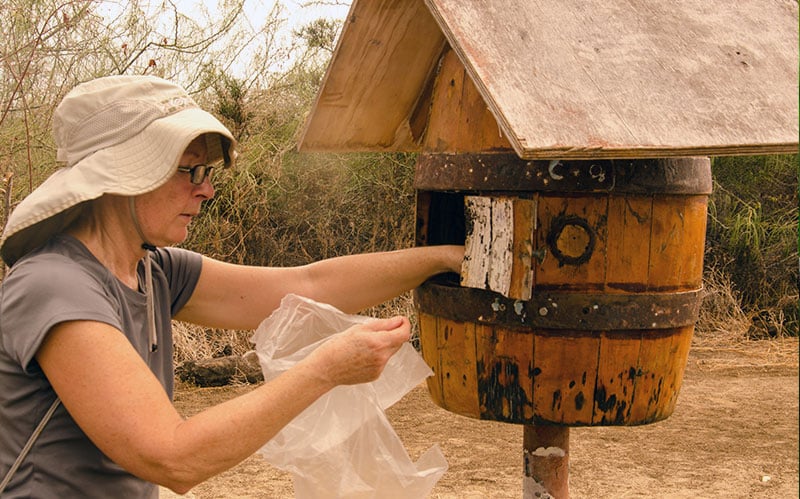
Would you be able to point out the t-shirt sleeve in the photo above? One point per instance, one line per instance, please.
(38, 296)
(182, 270)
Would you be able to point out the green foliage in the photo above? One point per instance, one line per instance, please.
(231, 93)
(300, 208)
(49, 46)
(752, 236)
(320, 33)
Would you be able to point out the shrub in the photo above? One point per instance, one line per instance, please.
(752, 238)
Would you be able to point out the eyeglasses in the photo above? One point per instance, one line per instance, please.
(198, 173)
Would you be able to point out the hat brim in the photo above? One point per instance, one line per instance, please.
(136, 166)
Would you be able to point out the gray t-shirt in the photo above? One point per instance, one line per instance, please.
(59, 282)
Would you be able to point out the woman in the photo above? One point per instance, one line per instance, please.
(85, 310)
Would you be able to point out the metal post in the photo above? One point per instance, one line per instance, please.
(546, 462)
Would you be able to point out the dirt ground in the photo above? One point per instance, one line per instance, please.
(734, 434)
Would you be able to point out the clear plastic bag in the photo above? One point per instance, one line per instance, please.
(343, 446)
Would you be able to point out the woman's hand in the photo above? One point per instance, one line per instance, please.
(360, 353)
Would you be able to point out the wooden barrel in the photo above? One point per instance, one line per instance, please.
(580, 289)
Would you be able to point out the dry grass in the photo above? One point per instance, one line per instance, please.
(746, 355)
(725, 337)
(722, 320)
(194, 342)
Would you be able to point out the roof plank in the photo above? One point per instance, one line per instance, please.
(593, 78)
(385, 53)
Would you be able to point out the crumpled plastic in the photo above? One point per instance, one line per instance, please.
(343, 446)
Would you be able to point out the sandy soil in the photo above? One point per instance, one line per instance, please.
(734, 434)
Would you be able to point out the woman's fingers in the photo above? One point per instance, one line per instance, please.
(399, 328)
(360, 353)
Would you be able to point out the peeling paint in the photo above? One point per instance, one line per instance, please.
(532, 488)
(497, 306)
(552, 170)
(556, 405)
(547, 452)
(501, 396)
(580, 399)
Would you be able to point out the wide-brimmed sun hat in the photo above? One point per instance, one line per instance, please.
(117, 135)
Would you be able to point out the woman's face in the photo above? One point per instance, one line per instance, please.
(165, 213)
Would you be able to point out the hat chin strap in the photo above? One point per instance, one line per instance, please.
(148, 278)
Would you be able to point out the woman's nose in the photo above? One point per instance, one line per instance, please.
(205, 189)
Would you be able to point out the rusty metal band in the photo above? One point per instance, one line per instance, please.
(575, 311)
(507, 172)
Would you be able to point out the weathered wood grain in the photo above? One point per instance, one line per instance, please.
(565, 372)
(521, 285)
(505, 373)
(429, 346)
(617, 366)
(386, 50)
(579, 79)
(581, 237)
(476, 265)
(595, 79)
(459, 375)
(629, 225)
(500, 254)
(499, 245)
(677, 242)
(459, 119)
(657, 379)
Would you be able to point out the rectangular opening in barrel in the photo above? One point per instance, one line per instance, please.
(440, 218)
